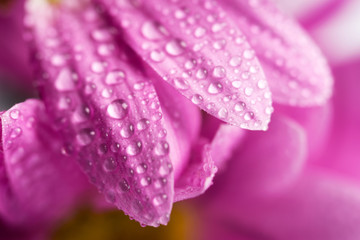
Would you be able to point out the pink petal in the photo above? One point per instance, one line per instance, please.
(318, 206)
(205, 161)
(296, 70)
(32, 166)
(197, 49)
(266, 162)
(107, 109)
(182, 120)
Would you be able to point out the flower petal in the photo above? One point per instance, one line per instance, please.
(182, 119)
(318, 206)
(296, 71)
(197, 49)
(32, 166)
(205, 161)
(106, 107)
(268, 161)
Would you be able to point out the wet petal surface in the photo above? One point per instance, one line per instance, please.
(294, 66)
(107, 110)
(32, 166)
(197, 49)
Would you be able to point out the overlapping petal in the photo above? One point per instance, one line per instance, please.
(105, 106)
(200, 51)
(32, 167)
(318, 206)
(295, 69)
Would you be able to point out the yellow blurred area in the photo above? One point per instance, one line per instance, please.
(114, 225)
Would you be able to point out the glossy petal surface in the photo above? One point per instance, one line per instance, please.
(32, 166)
(201, 52)
(294, 66)
(107, 109)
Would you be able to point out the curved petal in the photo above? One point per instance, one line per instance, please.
(32, 166)
(105, 106)
(197, 49)
(182, 120)
(268, 161)
(318, 206)
(296, 70)
(206, 159)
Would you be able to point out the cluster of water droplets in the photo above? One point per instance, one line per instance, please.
(204, 55)
(111, 111)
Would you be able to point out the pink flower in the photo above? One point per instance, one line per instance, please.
(120, 84)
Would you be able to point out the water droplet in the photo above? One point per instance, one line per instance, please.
(141, 168)
(14, 114)
(199, 32)
(179, 14)
(157, 55)
(249, 54)
(239, 107)
(115, 77)
(143, 124)
(159, 199)
(269, 110)
(65, 81)
(134, 148)
(118, 109)
(236, 84)
(16, 132)
(127, 130)
(145, 181)
(152, 30)
(105, 49)
(248, 91)
(101, 35)
(181, 84)
(58, 60)
(215, 88)
(201, 73)
(98, 67)
(109, 164)
(165, 169)
(219, 72)
(248, 116)
(197, 99)
(161, 149)
(219, 44)
(175, 47)
(235, 61)
(261, 84)
(124, 185)
(85, 136)
(223, 113)
(190, 64)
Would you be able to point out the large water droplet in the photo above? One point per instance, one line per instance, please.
(85, 136)
(219, 72)
(141, 168)
(249, 54)
(118, 109)
(215, 88)
(197, 99)
(161, 149)
(109, 164)
(14, 114)
(127, 130)
(175, 47)
(152, 31)
(115, 77)
(159, 199)
(98, 67)
(235, 61)
(134, 148)
(201, 73)
(181, 84)
(143, 124)
(157, 55)
(65, 81)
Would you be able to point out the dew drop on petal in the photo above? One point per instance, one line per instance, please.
(174, 48)
(215, 88)
(142, 124)
(115, 77)
(249, 54)
(157, 55)
(134, 148)
(118, 109)
(159, 199)
(181, 84)
(109, 164)
(197, 99)
(151, 31)
(161, 149)
(235, 61)
(219, 72)
(85, 136)
(124, 185)
(127, 130)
